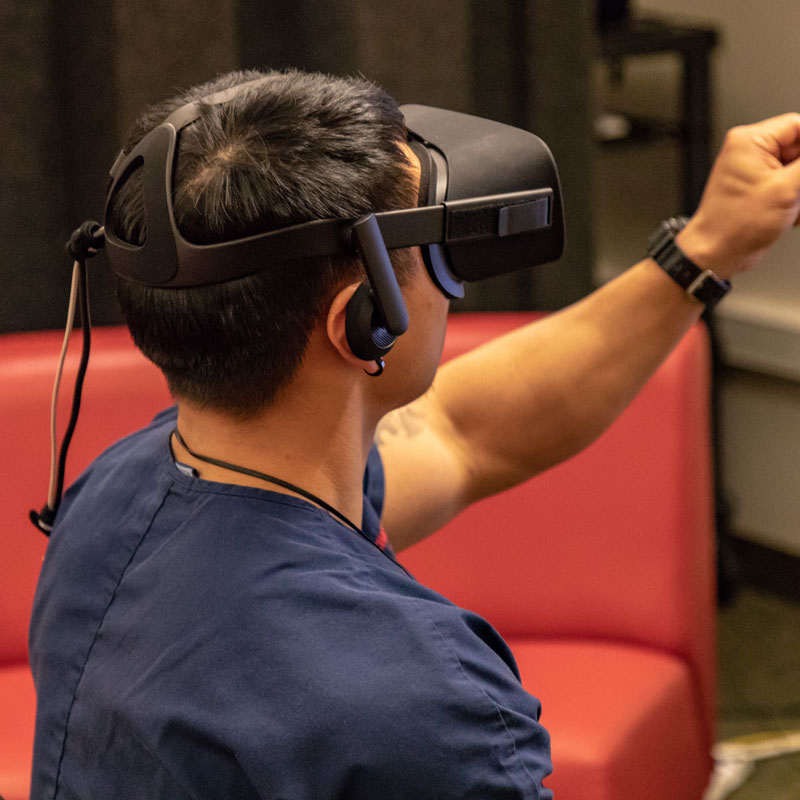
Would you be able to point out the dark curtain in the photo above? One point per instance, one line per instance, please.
(76, 75)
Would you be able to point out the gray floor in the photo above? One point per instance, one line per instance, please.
(759, 684)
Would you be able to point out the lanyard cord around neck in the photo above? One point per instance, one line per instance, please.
(269, 479)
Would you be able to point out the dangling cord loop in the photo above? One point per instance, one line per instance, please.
(379, 371)
(84, 243)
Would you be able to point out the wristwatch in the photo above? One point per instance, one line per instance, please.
(703, 285)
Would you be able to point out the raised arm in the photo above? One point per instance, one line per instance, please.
(532, 398)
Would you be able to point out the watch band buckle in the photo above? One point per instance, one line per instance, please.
(700, 280)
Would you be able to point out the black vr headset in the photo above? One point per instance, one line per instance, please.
(489, 203)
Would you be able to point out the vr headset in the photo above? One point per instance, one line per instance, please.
(490, 203)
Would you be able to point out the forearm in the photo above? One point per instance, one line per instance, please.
(540, 394)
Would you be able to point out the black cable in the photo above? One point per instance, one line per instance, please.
(269, 479)
(85, 242)
(86, 328)
(291, 486)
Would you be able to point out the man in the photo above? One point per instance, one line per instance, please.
(220, 613)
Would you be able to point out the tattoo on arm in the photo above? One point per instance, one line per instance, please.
(406, 422)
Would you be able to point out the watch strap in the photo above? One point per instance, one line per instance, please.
(703, 285)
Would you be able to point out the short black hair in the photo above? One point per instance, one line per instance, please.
(291, 148)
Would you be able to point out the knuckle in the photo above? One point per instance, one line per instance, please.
(786, 195)
(736, 134)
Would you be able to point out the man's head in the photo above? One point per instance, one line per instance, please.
(291, 148)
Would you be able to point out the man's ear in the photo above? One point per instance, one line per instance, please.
(336, 325)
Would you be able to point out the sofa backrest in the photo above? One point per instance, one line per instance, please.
(122, 392)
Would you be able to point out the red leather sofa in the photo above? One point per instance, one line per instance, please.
(599, 573)
(122, 392)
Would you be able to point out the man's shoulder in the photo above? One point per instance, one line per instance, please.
(146, 441)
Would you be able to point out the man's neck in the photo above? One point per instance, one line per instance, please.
(304, 439)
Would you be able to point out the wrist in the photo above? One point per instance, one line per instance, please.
(699, 281)
(700, 248)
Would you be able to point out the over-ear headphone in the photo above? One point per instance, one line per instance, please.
(366, 327)
(366, 331)
(376, 313)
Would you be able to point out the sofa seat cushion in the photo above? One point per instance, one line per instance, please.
(622, 719)
(18, 704)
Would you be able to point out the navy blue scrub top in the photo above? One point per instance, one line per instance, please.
(193, 639)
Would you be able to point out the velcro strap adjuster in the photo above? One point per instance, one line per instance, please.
(497, 215)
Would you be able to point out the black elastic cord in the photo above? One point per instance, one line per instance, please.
(270, 479)
(86, 328)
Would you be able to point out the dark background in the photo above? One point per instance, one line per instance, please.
(75, 75)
